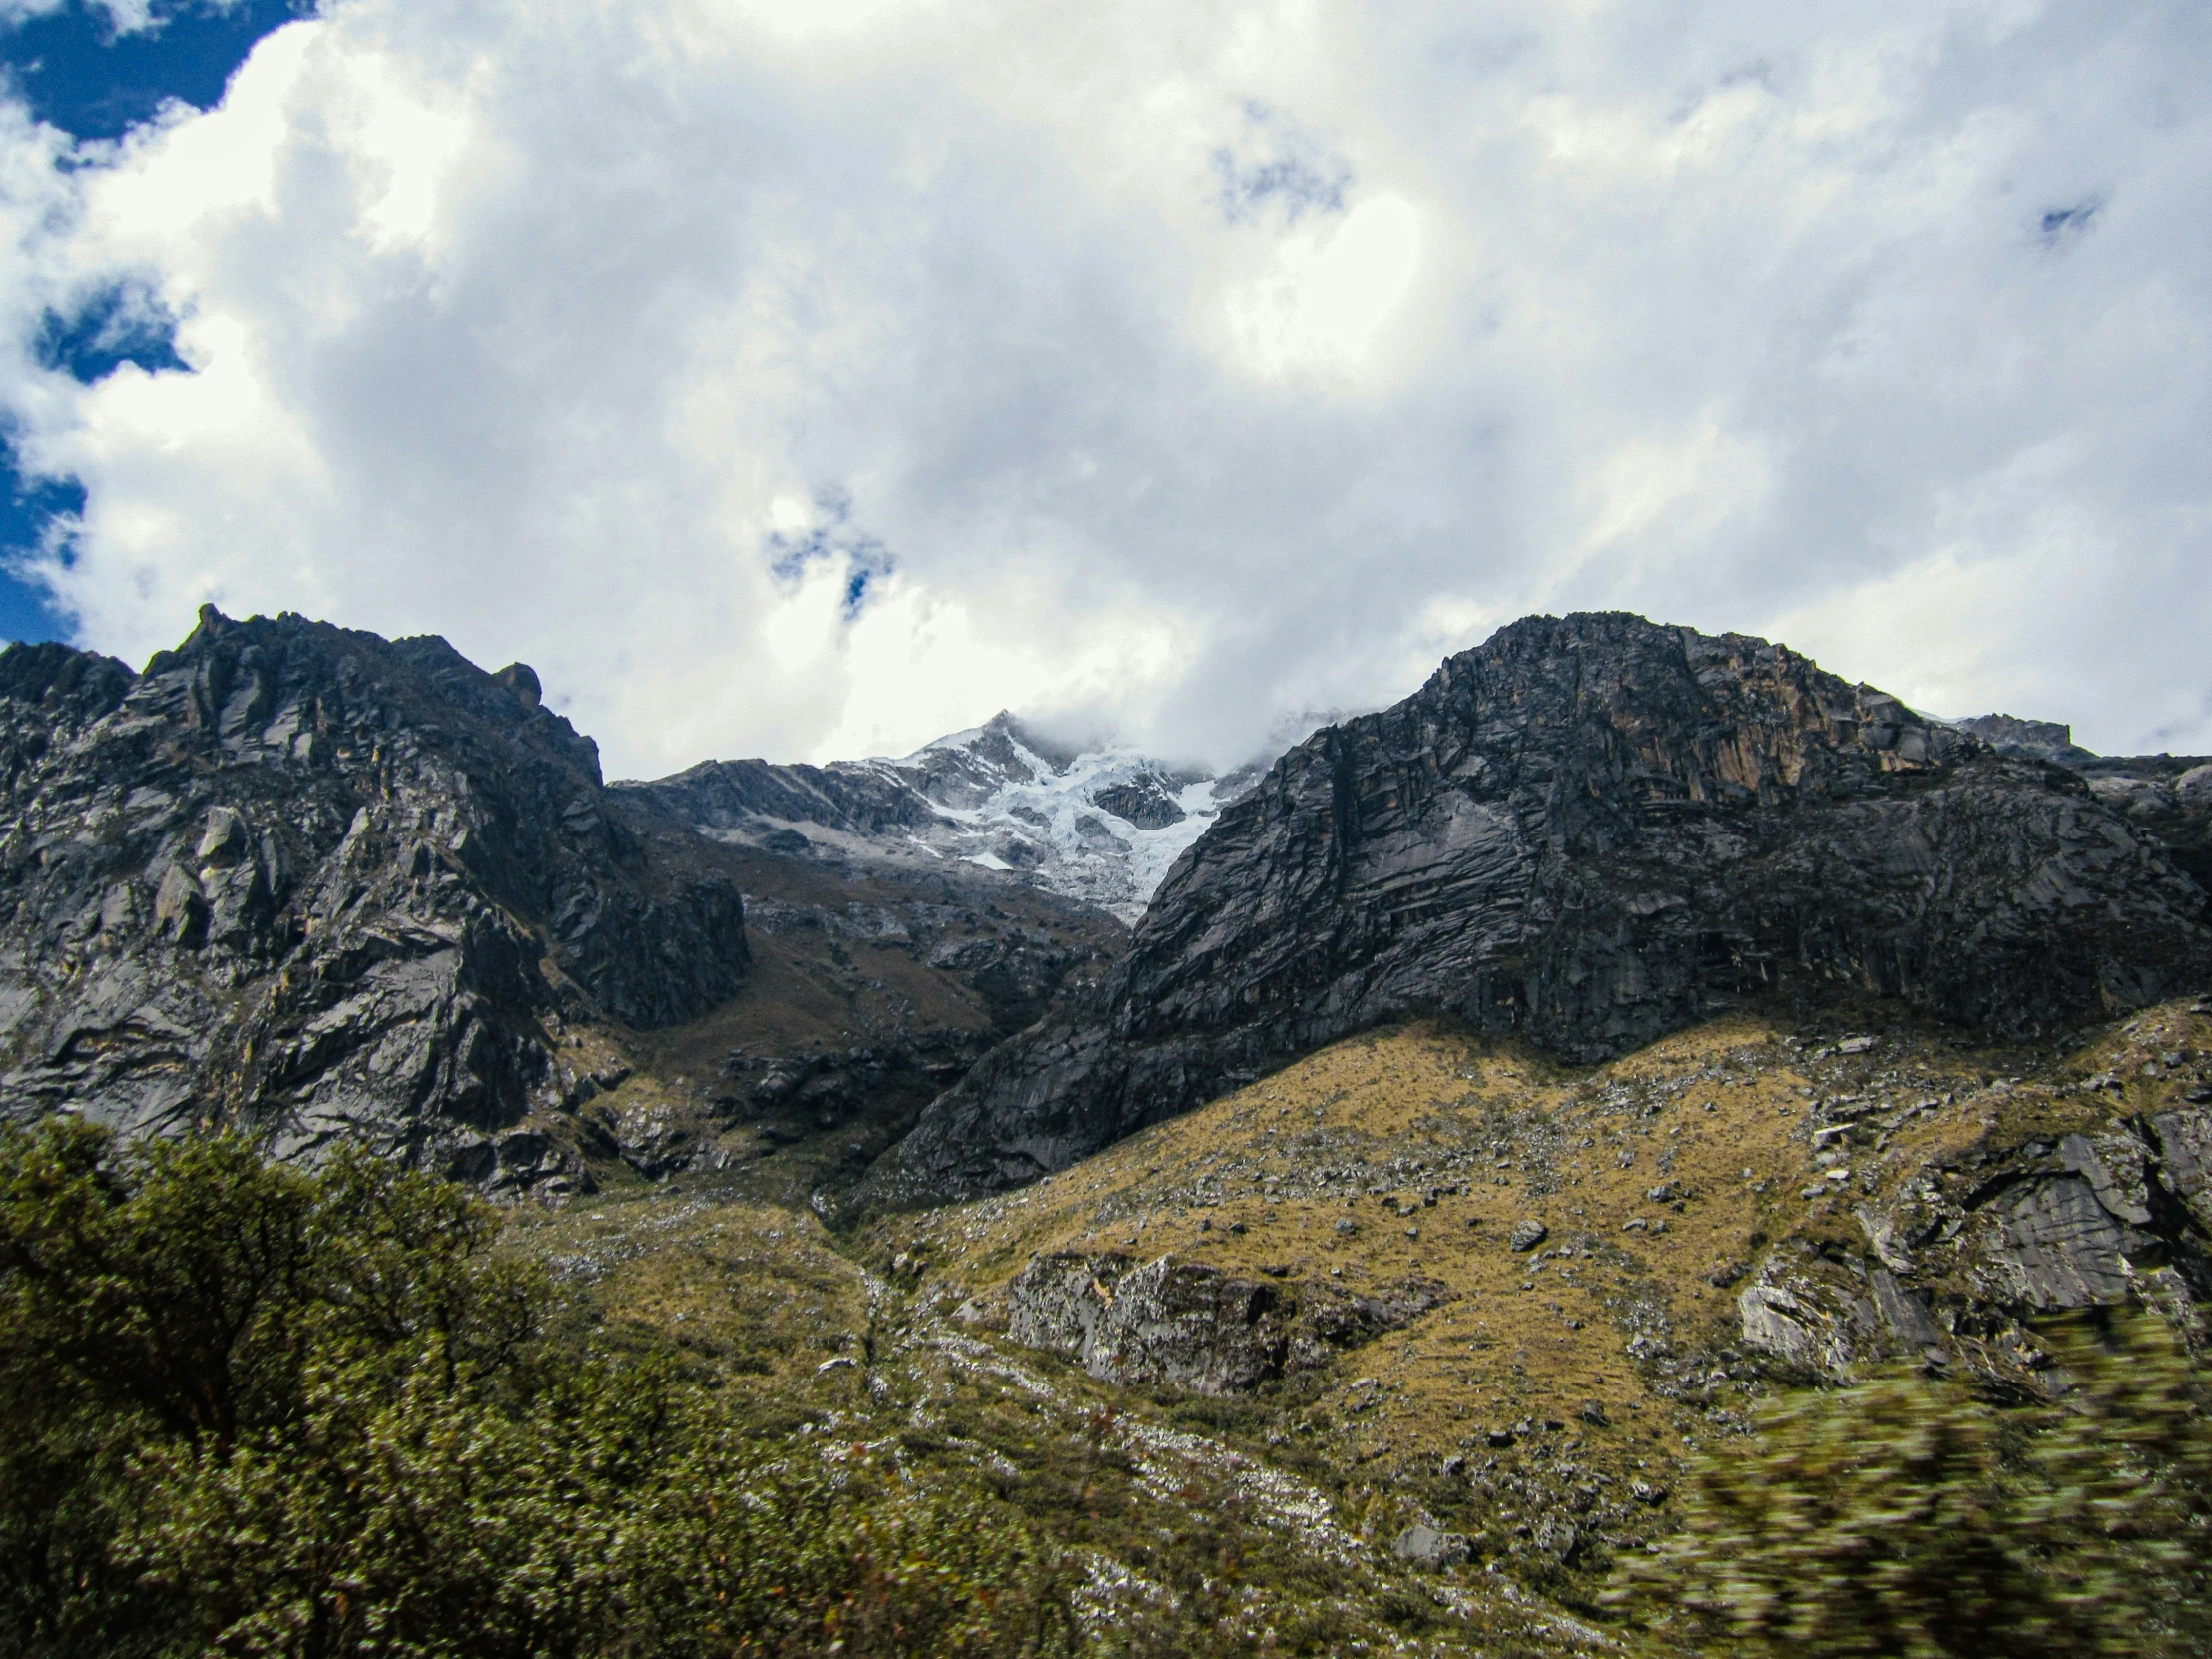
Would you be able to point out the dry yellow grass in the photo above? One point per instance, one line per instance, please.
(1434, 1144)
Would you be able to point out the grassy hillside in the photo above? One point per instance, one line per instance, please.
(693, 1418)
(1558, 1386)
(1546, 1404)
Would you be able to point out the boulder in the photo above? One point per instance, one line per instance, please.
(1192, 1326)
(1422, 1546)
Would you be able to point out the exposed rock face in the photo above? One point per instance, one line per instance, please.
(2170, 795)
(2092, 1193)
(1192, 1326)
(1595, 831)
(330, 886)
(1146, 802)
(2035, 740)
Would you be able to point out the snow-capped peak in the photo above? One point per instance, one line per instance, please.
(1101, 824)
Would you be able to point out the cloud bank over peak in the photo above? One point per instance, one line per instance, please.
(811, 380)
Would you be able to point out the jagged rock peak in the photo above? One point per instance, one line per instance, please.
(265, 683)
(1593, 829)
(1100, 824)
(328, 884)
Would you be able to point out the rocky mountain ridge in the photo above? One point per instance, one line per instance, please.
(336, 887)
(343, 887)
(1593, 831)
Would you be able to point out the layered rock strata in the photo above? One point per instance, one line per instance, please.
(1593, 831)
(2076, 1193)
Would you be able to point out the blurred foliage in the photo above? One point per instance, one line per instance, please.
(1907, 1517)
(260, 1410)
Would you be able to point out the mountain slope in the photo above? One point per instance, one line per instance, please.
(1593, 831)
(1509, 1294)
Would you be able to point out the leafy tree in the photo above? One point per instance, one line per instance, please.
(260, 1410)
(1904, 1516)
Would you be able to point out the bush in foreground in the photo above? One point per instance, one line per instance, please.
(1905, 1517)
(262, 1411)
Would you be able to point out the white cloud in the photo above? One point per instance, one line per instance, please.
(1181, 364)
(1328, 289)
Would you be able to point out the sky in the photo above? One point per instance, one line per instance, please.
(810, 379)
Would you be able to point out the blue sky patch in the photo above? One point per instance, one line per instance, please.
(75, 72)
(1296, 174)
(119, 326)
(867, 561)
(28, 510)
(2061, 226)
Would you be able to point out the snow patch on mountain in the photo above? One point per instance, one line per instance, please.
(1103, 825)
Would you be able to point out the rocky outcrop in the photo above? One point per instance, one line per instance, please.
(1422, 1546)
(2170, 795)
(1594, 831)
(1146, 802)
(2076, 1194)
(2035, 740)
(1191, 1325)
(2167, 796)
(730, 796)
(330, 886)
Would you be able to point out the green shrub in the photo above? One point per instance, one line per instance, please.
(260, 1410)
(1905, 1517)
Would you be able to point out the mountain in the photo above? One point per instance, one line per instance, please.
(333, 888)
(1591, 831)
(1502, 1098)
(1102, 825)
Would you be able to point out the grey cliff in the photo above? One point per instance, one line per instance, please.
(326, 886)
